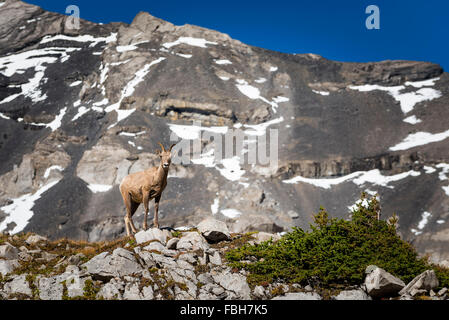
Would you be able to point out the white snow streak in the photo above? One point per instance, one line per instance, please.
(196, 42)
(20, 210)
(419, 139)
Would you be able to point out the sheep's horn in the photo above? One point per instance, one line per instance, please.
(171, 147)
(162, 147)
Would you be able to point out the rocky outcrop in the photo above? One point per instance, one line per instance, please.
(214, 230)
(380, 283)
(154, 266)
(90, 105)
(421, 284)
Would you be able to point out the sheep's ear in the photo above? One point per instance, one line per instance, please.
(158, 152)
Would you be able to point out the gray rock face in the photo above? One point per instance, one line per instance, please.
(112, 290)
(8, 266)
(214, 230)
(422, 283)
(155, 246)
(7, 251)
(152, 234)
(18, 285)
(50, 288)
(265, 236)
(34, 239)
(352, 295)
(299, 296)
(379, 283)
(191, 241)
(234, 283)
(171, 244)
(120, 263)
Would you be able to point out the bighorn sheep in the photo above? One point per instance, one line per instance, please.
(143, 186)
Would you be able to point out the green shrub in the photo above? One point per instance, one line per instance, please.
(334, 251)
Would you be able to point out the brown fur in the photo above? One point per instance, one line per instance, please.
(142, 187)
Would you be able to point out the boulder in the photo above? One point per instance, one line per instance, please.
(215, 258)
(50, 288)
(34, 239)
(234, 283)
(9, 252)
(156, 246)
(18, 285)
(132, 291)
(265, 236)
(106, 266)
(112, 290)
(356, 294)
(299, 296)
(74, 281)
(421, 284)
(8, 266)
(151, 235)
(379, 283)
(171, 244)
(214, 230)
(192, 241)
(259, 292)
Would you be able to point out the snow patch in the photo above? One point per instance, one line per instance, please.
(187, 56)
(254, 93)
(82, 38)
(214, 206)
(409, 99)
(196, 42)
(223, 61)
(56, 123)
(419, 139)
(81, 112)
(3, 116)
(359, 178)
(325, 183)
(422, 223)
(76, 83)
(231, 169)
(128, 90)
(96, 188)
(429, 170)
(231, 213)
(444, 170)
(193, 132)
(323, 93)
(412, 120)
(36, 59)
(47, 172)
(261, 128)
(446, 190)
(20, 211)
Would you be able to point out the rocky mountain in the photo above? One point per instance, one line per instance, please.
(161, 265)
(82, 108)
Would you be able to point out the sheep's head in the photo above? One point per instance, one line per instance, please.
(165, 156)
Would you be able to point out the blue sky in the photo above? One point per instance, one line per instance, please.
(409, 30)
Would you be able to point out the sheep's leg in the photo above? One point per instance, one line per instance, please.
(127, 200)
(146, 200)
(156, 211)
(131, 208)
(134, 206)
